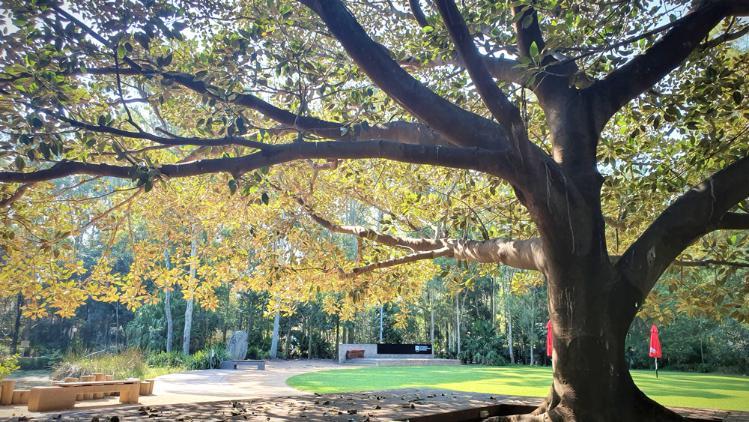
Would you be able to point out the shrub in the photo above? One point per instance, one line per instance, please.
(128, 364)
(167, 359)
(483, 345)
(208, 358)
(8, 364)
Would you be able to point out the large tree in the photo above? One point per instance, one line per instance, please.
(81, 80)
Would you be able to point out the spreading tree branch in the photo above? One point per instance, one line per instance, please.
(418, 13)
(494, 99)
(460, 126)
(522, 254)
(494, 162)
(699, 211)
(419, 256)
(16, 195)
(646, 69)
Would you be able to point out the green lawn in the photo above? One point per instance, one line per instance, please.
(671, 389)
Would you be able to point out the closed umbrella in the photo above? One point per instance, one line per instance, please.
(655, 347)
(549, 339)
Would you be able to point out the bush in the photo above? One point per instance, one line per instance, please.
(128, 364)
(482, 345)
(8, 364)
(208, 358)
(167, 359)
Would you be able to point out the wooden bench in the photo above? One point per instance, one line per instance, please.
(235, 364)
(21, 396)
(355, 354)
(62, 395)
(146, 387)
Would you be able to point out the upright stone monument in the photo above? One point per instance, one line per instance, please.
(237, 346)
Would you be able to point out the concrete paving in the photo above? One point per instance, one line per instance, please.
(210, 385)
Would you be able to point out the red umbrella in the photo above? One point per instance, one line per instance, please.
(655, 347)
(550, 340)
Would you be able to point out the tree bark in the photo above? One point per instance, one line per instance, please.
(287, 341)
(381, 310)
(168, 307)
(431, 321)
(190, 302)
(457, 321)
(16, 325)
(508, 315)
(274, 336)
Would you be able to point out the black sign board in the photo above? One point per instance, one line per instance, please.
(404, 349)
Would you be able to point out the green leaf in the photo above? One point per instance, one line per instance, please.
(121, 51)
(737, 97)
(20, 163)
(533, 51)
(36, 122)
(427, 29)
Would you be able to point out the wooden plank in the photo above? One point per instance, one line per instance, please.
(6, 397)
(50, 398)
(81, 383)
(99, 377)
(21, 396)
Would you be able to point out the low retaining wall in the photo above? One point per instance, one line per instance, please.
(370, 352)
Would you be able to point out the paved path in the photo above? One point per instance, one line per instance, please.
(212, 385)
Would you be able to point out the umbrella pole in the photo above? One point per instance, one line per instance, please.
(656, 367)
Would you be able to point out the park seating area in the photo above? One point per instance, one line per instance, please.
(62, 395)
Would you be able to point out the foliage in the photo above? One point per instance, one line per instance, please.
(127, 364)
(8, 364)
(167, 359)
(482, 345)
(208, 358)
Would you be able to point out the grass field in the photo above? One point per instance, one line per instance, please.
(672, 388)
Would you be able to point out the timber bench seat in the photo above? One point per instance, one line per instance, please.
(355, 354)
(235, 364)
(62, 395)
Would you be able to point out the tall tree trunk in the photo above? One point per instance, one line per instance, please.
(381, 309)
(309, 338)
(508, 316)
(457, 321)
(531, 330)
(287, 341)
(168, 306)
(337, 335)
(16, 325)
(190, 302)
(431, 322)
(274, 336)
